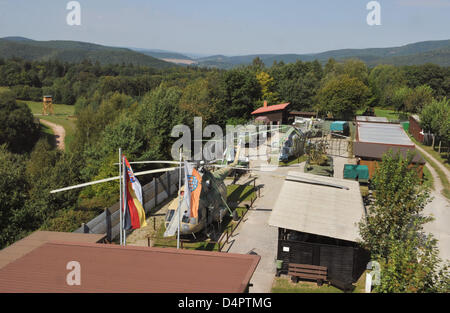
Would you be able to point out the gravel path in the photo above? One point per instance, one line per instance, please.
(58, 130)
(439, 208)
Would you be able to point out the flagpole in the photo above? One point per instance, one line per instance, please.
(124, 199)
(120, 192)
(179, 207)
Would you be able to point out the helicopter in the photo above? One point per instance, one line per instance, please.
(212, 206)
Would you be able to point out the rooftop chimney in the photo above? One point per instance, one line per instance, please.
(265, 103)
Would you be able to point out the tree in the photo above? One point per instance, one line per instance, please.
(413, 266)
(399, 203)
(383, 80)
(196, 101)
(267, 87)
(435, 118)
(342, 96)
(13, 194)
(418, 98)
(17, 128)
(241, 90)
(393, 232)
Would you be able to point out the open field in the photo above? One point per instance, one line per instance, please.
(390, 114)
(61, 117)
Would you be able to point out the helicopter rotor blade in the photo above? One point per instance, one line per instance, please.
(111, 179)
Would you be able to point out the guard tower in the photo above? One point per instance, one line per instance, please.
(47, 105)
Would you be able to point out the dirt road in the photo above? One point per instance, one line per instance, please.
(58, 130)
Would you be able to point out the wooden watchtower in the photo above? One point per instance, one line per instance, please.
(47, 105)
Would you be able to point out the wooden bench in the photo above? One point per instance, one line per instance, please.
(306, 271)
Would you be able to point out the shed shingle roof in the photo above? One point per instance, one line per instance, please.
(389, 134)
(317, 209)
(376, 151)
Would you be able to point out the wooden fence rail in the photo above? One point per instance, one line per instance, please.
(153, 193)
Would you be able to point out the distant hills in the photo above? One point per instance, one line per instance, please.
(413, 54)
(75, 51)
(437, 52)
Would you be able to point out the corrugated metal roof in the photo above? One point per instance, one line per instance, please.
(113, 268)
(376, 151)
(376, 119)
(391, 134)
(271, 108)
(316, 209)
(38, 238)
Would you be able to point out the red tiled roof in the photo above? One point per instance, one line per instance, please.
(112, 268)
(270, 108)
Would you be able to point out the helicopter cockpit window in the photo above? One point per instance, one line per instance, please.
(170, 215)
(185, 218)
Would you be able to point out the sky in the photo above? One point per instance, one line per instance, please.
(230, 27)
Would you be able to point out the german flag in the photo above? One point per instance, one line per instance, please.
(134, 210)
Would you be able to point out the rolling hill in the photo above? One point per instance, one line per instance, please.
(74, 51)
(412, 54)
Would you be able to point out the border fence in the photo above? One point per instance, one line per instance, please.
(153, 194)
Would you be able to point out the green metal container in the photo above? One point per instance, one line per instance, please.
(405, 126)
(279, 264)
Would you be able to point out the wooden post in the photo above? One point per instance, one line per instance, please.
(156, 190)
(108, 225)
(168, 184)
(440, 141)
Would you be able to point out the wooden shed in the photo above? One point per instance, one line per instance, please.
(317, 221)
(414, 128)
(275, 114)
(370, 154)
(373, 140)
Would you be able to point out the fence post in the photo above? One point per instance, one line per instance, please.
(108, 225)
(168, 184)
(155, 181)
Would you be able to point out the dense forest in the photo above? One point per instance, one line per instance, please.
(135, 108)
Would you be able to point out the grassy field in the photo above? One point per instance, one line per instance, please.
(390, 114)
(61, 117)
(285, 285)
(428, 180)
(442, 176)
(294, 161)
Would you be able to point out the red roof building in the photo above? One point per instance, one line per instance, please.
(276, 114)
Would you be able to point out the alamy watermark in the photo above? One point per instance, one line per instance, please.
(374, 16)
(73, 278)
(251, 140)
(74, 16)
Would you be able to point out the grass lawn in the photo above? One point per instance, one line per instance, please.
(294, 161)
(428, 180)
(442, 176)
(285, 285)
(434, 152)
(240, 193)
(61, 117)
(60, 109)
(390, 114)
